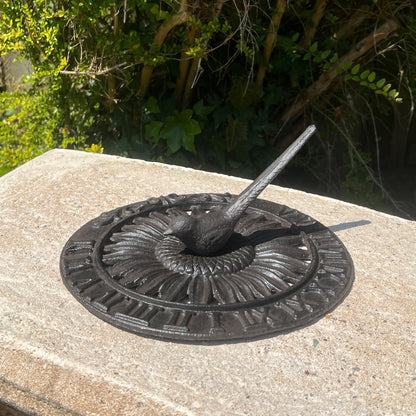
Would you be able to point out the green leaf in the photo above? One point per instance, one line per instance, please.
(373, 86)
(151, 106)
(327, 65)
(364, 83)
(295, 37)
(371, 77)
(307, 56)
(347, 66)
(364, 75)
(9, 112)
(334, 58)
(317, 59)
(356, 78)
(153, 130)
(393, 93)
(180, 131)
(159, 13)
(201, 111)
(314, 47)
(347, 77)
(381, 83)
(325, 54)
(355, 69)
(386, 87)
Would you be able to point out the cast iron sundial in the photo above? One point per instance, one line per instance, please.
(208, 267)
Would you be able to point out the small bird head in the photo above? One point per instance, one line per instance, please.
(179, 226)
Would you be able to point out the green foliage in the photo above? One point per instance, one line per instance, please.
(48, 112)
(368, 79)
(20, 136)
(180, 81)
(329, 59)
(31, 124)
(207, 32)
(179, 130)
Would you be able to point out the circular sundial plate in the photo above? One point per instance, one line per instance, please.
(280, 271)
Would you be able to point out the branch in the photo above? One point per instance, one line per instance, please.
(354, 22)
(111, 81)
(270, 40)
(310, 30)
(309, 33)
(325, 80)
(94, 73)
(184, 64)
(160, 36)
(194, 68)
(218, 7)
(191, 79)
(32, 38)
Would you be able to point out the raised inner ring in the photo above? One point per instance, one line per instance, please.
(272, 261)
(172, 253)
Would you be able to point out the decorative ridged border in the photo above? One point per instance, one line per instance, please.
(283, 270)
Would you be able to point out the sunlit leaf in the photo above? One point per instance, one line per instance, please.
(386, 87)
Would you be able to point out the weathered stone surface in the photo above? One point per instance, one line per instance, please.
(58, 359)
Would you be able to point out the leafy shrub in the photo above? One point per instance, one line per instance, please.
(30, 125)
(221, 85)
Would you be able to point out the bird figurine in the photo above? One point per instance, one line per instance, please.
(206, 233)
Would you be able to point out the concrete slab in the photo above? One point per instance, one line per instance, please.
(58, 359)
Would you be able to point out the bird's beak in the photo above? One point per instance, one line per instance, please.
(168, 231)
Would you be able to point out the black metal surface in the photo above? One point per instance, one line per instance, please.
(280, 270)
(207, 233)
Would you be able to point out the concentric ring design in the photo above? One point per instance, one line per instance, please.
(280, 270)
